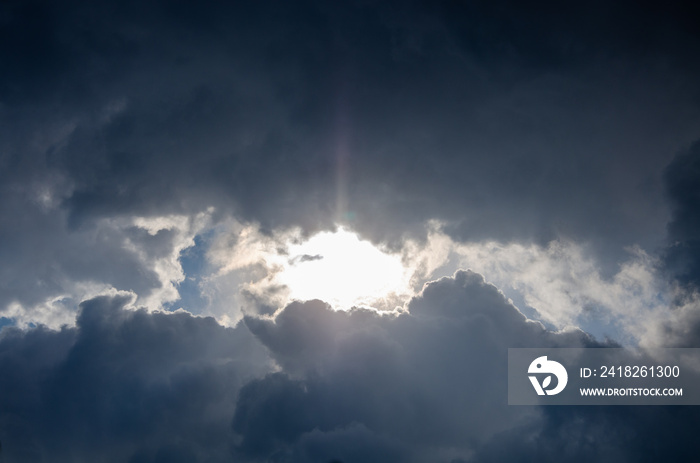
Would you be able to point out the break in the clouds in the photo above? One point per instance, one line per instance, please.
(309, 231)
(517, 124)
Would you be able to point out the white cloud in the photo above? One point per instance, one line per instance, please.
(562, 282)
(135, 255)
(565, 285)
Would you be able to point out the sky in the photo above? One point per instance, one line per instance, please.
(309, 231)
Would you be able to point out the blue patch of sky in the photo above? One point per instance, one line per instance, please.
(4, 321)
(194, 266)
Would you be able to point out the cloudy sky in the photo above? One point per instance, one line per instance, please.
(308, 231)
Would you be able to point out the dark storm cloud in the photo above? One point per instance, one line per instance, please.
(349, 386)
(581, 434)
(681, 257)
(425, 387)
(505, 120)
(418, 383)
(123, 386)
(683, 186)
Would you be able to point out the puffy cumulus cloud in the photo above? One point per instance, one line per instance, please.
(427, 386)
(311, 384)
(421, 386)
(241, 264)
(124, 385)
(55, 266)
(568, 287)
(562, 283)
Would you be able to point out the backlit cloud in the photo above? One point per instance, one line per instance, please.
(309, 231)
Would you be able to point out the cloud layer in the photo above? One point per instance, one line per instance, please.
(311, 385)
(160, 162)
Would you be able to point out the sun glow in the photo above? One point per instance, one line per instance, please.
(344, 271)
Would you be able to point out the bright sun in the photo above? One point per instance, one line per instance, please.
(343, 270)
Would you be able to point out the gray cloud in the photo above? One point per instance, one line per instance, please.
(506, 122)
(580, 434)
(682, 178)
(513, 125)
(681, 256)
(503, 123)
(123, 386)
(428, 387)
(352, 386)
(424, 382)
